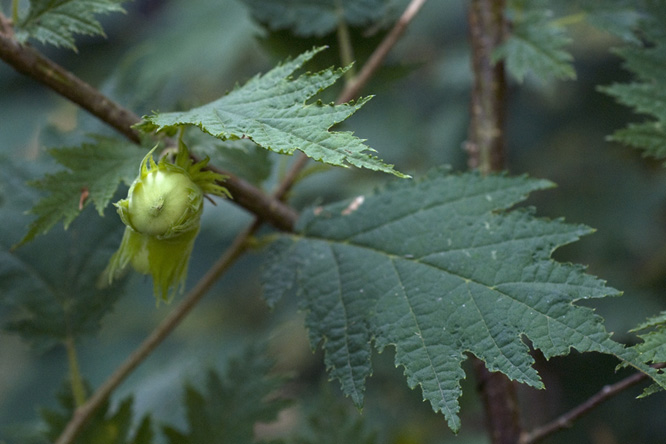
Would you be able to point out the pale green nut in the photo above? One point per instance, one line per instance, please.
(162, 213)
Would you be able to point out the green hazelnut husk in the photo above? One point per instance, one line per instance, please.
(162, 214)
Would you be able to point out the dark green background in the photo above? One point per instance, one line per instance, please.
(171, 55)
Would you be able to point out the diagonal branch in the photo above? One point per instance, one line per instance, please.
(32, 63)
(353, 87)
(566, 420)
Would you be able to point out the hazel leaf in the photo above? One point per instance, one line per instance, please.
(92, 174)
(438, 268)
(271, 110)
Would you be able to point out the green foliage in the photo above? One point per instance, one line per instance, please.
(57, 21)
(271, 111)
(48, 285)
(316, 17)
(94, 171)
(102, 428)
(231, 404)
(332, 422)
(51, 284)
(535, 44)
(646, 93)
(653, 347)
(617, 17)
(437, 269)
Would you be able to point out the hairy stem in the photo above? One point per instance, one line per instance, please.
(566, 420)
(75, 379)
(485, 148)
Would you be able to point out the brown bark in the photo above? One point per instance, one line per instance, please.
(486, 152)
(485, 144)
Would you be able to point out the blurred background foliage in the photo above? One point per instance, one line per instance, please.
(168, 55)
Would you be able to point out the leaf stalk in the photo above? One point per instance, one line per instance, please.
(345, 43)
(75, 379)
(15, 17)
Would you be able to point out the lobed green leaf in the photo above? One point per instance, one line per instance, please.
(653, 347)
(535, 45)
(271, 111)
(57, 21)
(645, 58)
(49, 285)
(316, 17)
(93, 173)
(437, 268)
(103, 427)
(329, 421)
(231, 404)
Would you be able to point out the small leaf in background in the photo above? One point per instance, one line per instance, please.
(653, 348)
(271, 111)
(437, 268)
(617, 17)
(316, 17)
(94, 171)
(646, 93)
(330, 421)
(50, 284)
(103, 427)
(231, 403)
(57, 21)
(535, 44)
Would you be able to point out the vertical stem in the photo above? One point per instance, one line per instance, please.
(485, 147)
(345, 43)
(15, 16)
(75, 379)
(500, 403)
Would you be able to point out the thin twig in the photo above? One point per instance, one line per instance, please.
(82, 414)
(75, 379)
(566, 420)
(344, 42)
(376, 59)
